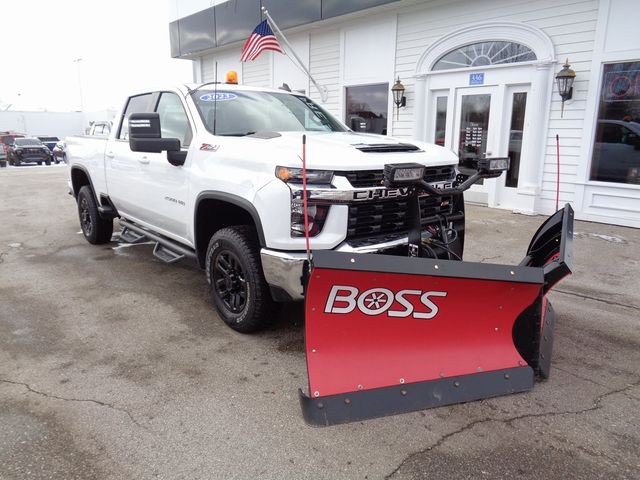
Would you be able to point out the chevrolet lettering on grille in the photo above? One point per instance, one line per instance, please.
(384, 193)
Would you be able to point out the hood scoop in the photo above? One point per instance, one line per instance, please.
(265, 135)
(386, 147)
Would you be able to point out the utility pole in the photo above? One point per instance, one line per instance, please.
(77, 62)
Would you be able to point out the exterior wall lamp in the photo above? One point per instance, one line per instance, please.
(565, 78)
(398, 95)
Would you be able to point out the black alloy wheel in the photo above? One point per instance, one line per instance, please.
(96, 230)
(229, 281)
(238, 288)
(85, 217)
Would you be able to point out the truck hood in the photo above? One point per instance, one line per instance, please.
(350, 151)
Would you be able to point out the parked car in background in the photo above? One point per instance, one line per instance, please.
(59, 154)
(50, 142)
(6, 138)
(3, 156)
(28, 150)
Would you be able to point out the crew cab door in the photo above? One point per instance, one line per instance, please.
(124, 168)
(144, 186)
(165, 206)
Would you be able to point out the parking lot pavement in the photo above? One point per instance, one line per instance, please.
(114, 366)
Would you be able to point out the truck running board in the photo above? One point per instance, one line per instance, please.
(129, 236)
(387, 334)
(166, 255)
(165, 249)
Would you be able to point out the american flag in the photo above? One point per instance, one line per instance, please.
(262, 38)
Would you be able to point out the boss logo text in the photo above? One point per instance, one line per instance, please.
(344, 299)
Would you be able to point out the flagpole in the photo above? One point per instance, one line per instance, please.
(324, 93)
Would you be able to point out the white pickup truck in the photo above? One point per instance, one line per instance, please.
(213, 173)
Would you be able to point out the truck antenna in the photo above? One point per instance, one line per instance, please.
(304, 198)
(215, 98)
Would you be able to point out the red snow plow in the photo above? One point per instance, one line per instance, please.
(390, 334)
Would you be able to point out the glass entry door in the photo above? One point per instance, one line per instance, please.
(475, 130)
(515, 132)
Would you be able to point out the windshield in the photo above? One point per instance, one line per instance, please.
(241, 113)
(23, 142)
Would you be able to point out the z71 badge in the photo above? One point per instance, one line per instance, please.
(207, 147)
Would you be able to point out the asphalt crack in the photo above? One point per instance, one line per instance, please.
(586, 379)
(67, 399)
(597, 404)
(597, 299)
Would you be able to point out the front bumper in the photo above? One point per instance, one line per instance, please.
(283, 270)
(33, 157)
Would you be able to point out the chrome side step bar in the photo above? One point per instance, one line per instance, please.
(167, 250)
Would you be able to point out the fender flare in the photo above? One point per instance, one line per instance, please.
(84, 170)
(234, 200)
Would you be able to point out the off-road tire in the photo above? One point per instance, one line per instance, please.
(47, 162)
(238, 244)
(39, 163)
(96, 230)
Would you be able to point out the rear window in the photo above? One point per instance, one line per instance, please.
(49, 139)
(137, 104)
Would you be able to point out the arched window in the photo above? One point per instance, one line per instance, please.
(485, 53)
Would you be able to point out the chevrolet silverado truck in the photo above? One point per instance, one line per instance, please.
(214, 173)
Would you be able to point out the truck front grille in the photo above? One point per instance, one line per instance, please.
(381, 217)
(374, 178)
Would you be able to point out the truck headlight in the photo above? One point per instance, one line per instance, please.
(294, 175)
(317, 216)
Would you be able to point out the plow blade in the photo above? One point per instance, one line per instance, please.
(387, 334)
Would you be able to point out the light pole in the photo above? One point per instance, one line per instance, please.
(77, 62)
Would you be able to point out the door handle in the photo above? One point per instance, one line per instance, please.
(144, 159)
(110, 154)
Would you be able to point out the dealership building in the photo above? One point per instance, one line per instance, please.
(479, 78)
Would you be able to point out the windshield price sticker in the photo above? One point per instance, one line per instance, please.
(218, 97)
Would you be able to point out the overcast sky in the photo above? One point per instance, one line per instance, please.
(123, 44)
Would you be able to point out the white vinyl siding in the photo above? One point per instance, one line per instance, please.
(228, 59)
(257, 73)
(324, 49)
(207, 63)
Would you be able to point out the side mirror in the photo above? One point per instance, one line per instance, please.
(145, 135)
